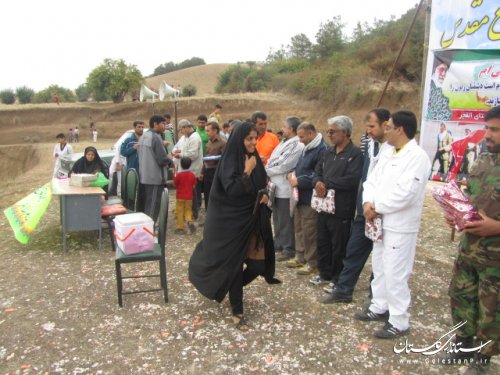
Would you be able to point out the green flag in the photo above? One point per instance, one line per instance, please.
(25, 214)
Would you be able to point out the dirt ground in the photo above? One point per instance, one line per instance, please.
(59, 313)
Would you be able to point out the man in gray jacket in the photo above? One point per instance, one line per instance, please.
(153, 162)
(283, 159)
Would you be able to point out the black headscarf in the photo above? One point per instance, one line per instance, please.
(231, 220)
(82, 165)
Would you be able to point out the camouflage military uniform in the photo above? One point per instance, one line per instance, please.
(475, 284)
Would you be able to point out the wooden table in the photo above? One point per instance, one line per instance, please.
(80, 208)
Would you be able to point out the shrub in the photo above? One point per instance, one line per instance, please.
(47, 95)
(7, 96)
(189, 90)
(82, 92)
(24, 94)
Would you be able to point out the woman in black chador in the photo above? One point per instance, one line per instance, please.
(237, 243)
(90, 162)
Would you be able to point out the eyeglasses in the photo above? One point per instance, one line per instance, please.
(388, 127)
(333, 131)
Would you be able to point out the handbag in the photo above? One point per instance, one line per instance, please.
(325, 204)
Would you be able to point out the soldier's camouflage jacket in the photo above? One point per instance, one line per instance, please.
(484, 191)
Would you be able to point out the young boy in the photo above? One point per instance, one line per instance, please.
(184, 182)
(60, 149)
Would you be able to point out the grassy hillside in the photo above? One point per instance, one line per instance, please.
(204, 77)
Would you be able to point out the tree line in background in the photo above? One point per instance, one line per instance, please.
(112, 80)
(335, 66)
(172, 67)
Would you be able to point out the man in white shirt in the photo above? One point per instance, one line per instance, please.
(395, 191)
(61, 148)
(192, 148)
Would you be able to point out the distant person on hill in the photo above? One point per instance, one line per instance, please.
(76, 134)
(94, 135)
(217, 113)
(60, 149)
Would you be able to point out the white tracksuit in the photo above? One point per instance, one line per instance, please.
(396, 187)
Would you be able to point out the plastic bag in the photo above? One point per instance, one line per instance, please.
(455, 204)
(101, 180)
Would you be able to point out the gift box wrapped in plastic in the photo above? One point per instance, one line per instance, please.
(455, 204)
(373, 229)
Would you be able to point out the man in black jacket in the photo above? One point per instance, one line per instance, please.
(339, 169)
(359, 247)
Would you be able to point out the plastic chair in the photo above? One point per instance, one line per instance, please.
(119, 200)
(157, 255)
(131, 189)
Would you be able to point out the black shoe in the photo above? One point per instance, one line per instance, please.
(369, 316)
(337, 297)
(388, 331)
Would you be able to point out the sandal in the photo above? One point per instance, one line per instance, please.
(240, 323)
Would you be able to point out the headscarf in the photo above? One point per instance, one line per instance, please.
(82, 165)
(220, 255)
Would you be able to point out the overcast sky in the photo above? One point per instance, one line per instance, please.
(61, 41)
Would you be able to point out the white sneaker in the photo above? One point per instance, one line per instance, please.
(329, 289)
(318, 280)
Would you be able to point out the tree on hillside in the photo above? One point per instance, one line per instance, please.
(115, 79)
(276, 55)
(25, 94)
(300, 47)
(7, 96)
(82, 92)
(329, 38)
(47, 95)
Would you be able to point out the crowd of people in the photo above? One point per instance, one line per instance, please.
(322, 206)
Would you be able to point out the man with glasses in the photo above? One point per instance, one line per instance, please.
(359, 246)
(395, 191)
(339, 168)
(153, 162)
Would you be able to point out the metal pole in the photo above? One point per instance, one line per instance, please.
(400, 52)
(426, 50)
(175, 119)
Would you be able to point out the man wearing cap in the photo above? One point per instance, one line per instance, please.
(192, 149)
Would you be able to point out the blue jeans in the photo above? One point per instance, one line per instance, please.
(358, 250)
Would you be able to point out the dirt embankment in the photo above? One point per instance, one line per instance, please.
(41, 123)
(16, 160)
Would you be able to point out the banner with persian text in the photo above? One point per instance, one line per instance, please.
(462, 83)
